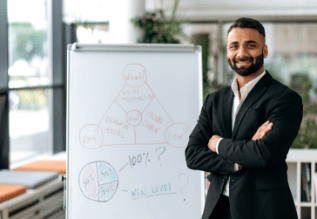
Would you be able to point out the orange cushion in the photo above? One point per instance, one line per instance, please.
(45, 165)
(11, 191)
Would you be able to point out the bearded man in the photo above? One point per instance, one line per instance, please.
(244, 133)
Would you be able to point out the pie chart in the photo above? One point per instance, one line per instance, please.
(98, 181)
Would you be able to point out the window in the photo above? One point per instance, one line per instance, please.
(28, 43)
(33, 80)
(29, 109)
(30, 126)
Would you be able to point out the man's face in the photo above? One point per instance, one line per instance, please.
(246, 51)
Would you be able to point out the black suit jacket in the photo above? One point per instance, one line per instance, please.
(260, 189)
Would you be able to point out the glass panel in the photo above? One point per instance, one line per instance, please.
(305, 213)
(306, 182)
(28, 43)
(29, 124)
(292, 179)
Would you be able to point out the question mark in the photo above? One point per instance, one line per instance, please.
(164, 149)
(184, 134)
(179, 177)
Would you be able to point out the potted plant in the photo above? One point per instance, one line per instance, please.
(157, 28)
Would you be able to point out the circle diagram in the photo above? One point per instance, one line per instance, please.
(134, 75)
(177, 135)
(98, 181)
(91, 136)
(134, 117)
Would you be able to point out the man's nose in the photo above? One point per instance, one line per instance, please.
(242, 53)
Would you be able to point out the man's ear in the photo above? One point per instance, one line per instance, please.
(265, 51)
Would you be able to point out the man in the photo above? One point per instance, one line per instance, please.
(244, 133)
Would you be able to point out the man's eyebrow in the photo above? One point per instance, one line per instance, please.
(234, 42)
(247, 42)
(251, 41)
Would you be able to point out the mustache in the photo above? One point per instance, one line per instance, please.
(243, 59)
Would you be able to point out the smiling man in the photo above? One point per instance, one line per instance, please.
(244, 133)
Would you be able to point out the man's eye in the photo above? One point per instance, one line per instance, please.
(233, 46)
(251, 46)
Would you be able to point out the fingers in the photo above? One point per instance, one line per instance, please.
(267, 128)
(261, 132)
(264, 126)
(212, 144)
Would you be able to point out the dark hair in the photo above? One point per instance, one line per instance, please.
(248, 23)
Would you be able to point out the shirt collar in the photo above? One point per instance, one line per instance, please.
(245, 90)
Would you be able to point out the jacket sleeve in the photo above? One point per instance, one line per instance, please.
(198, 155)
(286, 115)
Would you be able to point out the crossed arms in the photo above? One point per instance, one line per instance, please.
(267, 147)
(260, 133)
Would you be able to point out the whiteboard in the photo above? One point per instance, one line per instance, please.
(130, 110)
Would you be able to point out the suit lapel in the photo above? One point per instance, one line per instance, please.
(254, 94)
(227, 101)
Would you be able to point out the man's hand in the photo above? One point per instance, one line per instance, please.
(260, 133)
(212, 144)
(262, 130)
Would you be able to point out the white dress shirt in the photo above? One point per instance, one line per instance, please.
(245, 90)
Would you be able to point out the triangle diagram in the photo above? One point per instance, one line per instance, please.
(135, 98)
(115, 128)
(136, 116)
(155, 121)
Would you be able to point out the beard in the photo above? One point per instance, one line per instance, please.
(243, 71)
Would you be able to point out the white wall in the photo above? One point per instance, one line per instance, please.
(228, 10)
(118, 13)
